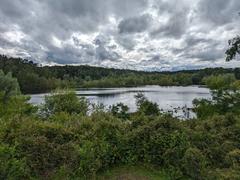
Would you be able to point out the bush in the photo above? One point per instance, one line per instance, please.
(11, 165)
(194, 163)
(145, 106)
(17, 106)
(8, 86)
(233, 158)
(219, 82)
(160, 142)
(44, 146)
(222, 102)
(120, 110)
(64, 101)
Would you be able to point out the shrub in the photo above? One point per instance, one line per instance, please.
(17, 106)
(233, 158)
(45, 146)
(219, 82)
(194, 163)
(145, 106)
(8, 86)
(11, 165)
(120, 110)
(64, 101)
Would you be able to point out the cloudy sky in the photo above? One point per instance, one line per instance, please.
(135, 34)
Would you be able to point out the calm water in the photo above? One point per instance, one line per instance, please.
(168, 98)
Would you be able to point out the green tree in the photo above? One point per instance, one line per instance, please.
(145, 106)
(120, 110)
(194, 163)
(64, 101)
(8, 86)
(11, 167)
(219, 82)
(234, 48)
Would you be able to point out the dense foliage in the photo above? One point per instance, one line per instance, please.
(8, 85)
(60, 140)
(34, 78)
(234, 48)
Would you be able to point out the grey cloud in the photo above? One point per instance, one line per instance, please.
(72, 55)
(135, 24)
(112, 47)
(128, 8)
(103, 50)
(154, 59)
(175, 27)
(87, 48)
(211, 54)
(15, 11)
(12, 8)
(126, 41)
(155, 62)
(147, 49)
(218, 12)
(103, 54)
(83, 53)
(192, 41)
(176, 14)
(158, 59)
(101, 40)
(76, 41)
(201, 49)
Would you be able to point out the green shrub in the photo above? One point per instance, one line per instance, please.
(233, 158)
(145, 106)
(219, 81)
(17, 106)
(44, 146)
(194, 163)
(120, 110)
(8, 86)
(64, 101)
(223, 174)
(11, 165)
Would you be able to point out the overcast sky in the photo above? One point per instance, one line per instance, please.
(135, 34)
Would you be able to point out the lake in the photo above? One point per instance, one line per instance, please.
(177, 98)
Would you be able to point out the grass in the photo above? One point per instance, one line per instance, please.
(133, 173)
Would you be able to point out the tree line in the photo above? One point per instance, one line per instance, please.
(34, 78)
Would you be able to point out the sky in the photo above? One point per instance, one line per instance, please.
(150, 35)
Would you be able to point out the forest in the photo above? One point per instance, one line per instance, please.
(34, 78)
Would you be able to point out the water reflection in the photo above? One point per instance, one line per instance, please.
(171, 98)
